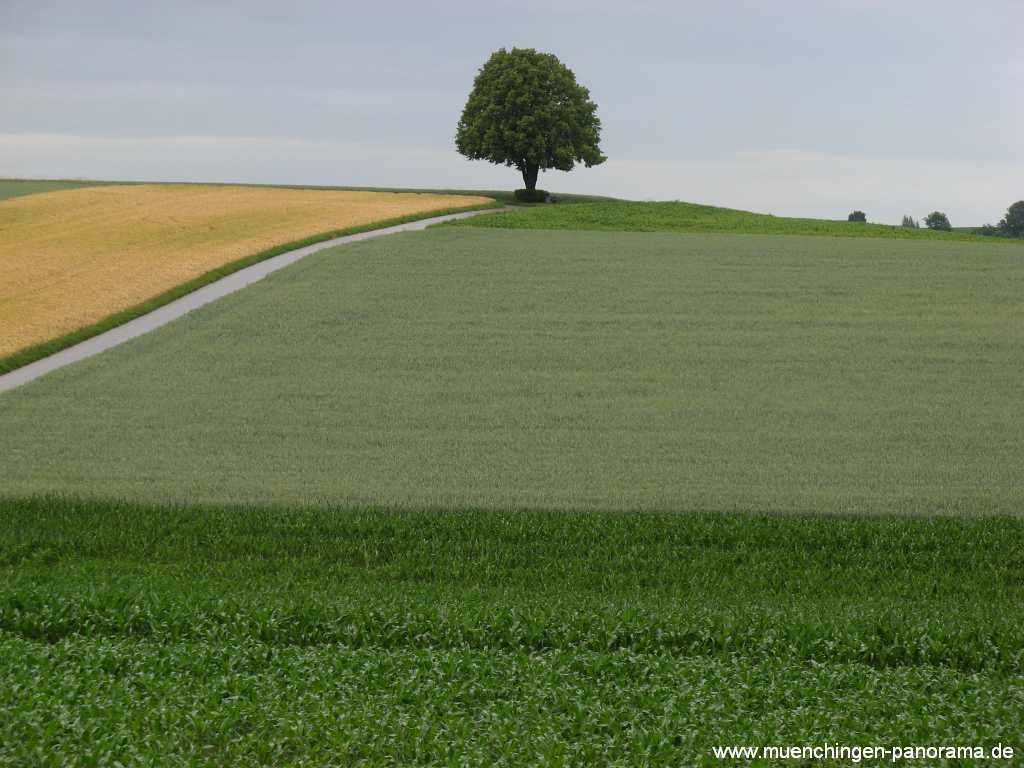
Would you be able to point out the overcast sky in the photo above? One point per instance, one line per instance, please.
(794, 107)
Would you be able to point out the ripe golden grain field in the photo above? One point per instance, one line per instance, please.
(70, 258)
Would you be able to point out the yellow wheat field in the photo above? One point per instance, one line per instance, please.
(70, 258)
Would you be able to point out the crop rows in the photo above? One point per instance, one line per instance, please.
(251, 636)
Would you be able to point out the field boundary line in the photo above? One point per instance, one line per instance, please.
(33, 362)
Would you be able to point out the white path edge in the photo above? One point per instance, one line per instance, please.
(200, 297)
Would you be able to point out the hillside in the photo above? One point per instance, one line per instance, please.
(691, 217)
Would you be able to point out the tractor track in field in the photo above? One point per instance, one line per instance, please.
(208, 293)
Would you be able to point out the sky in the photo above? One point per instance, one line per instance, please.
(794, 107)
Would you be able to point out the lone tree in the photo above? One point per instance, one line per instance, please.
(1012, 224)
(526, 110)
(938, 220)
(858, 216)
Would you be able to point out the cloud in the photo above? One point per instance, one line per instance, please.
(786, 183)
(825, 185)
(809, 107)
(245, 159)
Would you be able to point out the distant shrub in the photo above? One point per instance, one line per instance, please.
(938, 220)
(910, 223)
(858, 216)
(987, 230)
(531, 195)
(1012, 224)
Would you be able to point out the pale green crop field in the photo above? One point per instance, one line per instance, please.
(570, 370)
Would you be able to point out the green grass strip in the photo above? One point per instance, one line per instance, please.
(10, 188)
(625, 216)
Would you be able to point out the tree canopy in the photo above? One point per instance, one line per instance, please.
(1013, 222)
(527, 111)
(938, 220)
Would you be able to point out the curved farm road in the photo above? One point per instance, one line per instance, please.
(210, 292)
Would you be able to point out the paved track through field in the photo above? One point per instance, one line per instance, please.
(210, 292)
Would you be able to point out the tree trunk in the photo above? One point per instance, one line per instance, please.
(530, 176)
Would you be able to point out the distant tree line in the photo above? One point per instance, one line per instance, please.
(1012, 224)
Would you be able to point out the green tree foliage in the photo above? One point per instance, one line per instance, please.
(1012, 224)
(858, 216)
(527, 111)
(910, 223)
(938, 220)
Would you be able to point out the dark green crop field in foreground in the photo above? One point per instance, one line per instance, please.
(289, 636)
(568, 370)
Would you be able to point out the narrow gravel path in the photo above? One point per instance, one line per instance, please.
(211, 292)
